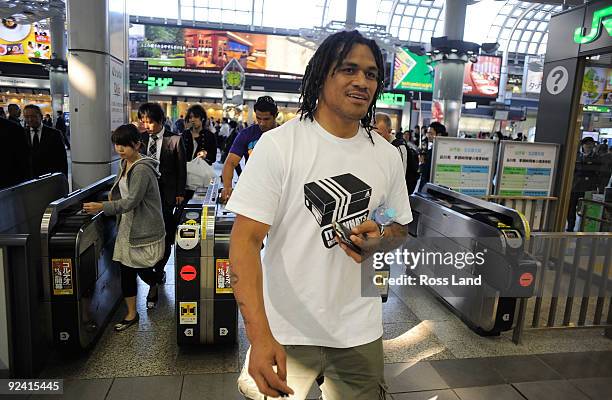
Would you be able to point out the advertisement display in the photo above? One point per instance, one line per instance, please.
(20, 42)
(526, 169)
(482, 78)
(534, 72)
(411, 72)
(204, 49)
(596, 87)
(464, 165)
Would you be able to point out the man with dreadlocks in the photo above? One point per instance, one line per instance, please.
(304, 312)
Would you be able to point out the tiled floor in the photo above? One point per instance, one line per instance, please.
(429, 354)
(465, 379)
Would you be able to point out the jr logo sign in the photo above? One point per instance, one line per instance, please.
(600, 17)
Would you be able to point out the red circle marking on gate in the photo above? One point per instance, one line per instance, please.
(188, 273)
(526, 279)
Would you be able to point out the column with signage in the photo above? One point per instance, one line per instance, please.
(97, 74)
(58, 78)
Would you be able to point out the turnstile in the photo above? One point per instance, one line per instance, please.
(206, 310)
(450, 222)
(82, 284)
(24, 321)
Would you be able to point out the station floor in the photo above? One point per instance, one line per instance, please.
(429, 355)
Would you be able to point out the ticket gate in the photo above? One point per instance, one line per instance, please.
(206, 310)
(450, 222)
(82, 284)
(24, 321)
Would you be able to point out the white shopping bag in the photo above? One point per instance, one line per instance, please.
(199, 173)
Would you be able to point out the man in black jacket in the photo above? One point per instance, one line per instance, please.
(435, 129)
(168, 149)
(587, 176)
(46, 144)
(14, 154)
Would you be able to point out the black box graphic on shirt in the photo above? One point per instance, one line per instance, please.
(332, 199)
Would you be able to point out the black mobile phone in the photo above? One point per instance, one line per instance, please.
(344, 234)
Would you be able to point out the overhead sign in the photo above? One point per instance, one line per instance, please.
(597, 109)
(412, 72)
(392, 99)
(188, 273)
(600, 18)
(464, 165)
(526, 169)
(160, 83)
(206, 49)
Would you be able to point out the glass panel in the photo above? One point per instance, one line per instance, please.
(215, 15)
(522, 24)
(410, 10)
(396, 20)
(187, 12)
(532, 25)
(201, 14)
(522, 48)
(533, 48)
(416, 2)
(516, 35)
(422, 11)
(406, 22)
(415, 35)
(434, 13)
(543, 26)
(505, 34)
(430, 24)
(494, 32)
(526, 36)
(510, 23)
(512, 47)
(426, 36)
(404, 33)
(536, 36)
(418, 23)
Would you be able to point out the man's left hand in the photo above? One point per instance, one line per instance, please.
(179, 200)
(367, 237)
(92, 208)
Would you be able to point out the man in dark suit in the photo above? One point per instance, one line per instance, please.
(168, 149)
(46, 144)
(14, 154)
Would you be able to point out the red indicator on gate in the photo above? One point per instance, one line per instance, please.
(526, 279)
(188, 273)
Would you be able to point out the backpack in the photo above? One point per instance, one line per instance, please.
(410, 161)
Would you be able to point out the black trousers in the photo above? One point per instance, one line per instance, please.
(170, 227)
(128, 279)
(571, 212)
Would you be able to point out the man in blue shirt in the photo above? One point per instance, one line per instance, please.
(265, 114)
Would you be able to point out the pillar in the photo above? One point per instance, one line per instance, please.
(351, 14)
(98, 78)
(449, 70)
(58, 79)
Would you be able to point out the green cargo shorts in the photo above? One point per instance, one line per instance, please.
(355, 373)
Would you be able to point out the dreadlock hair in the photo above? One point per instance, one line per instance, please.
(331, 53)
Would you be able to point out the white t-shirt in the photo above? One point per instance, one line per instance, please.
(299, 179)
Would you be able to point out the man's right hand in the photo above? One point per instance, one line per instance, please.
(265, 354)
(225, 194)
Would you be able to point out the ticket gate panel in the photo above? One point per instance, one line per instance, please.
(447, 221)
(207, 312)
(82, 283)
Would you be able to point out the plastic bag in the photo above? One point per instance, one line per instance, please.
(199, 173)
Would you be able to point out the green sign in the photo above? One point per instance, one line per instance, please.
(392, 99)
(597, 109)
(412, 72)
(153, 82)
(600, 17)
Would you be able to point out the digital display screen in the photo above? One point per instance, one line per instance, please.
(188, 234)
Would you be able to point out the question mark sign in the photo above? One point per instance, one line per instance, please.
(557, 76)
(557, 80)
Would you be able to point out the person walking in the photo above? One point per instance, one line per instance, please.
(134, 199)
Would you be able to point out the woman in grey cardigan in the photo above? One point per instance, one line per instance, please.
(135, 200)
